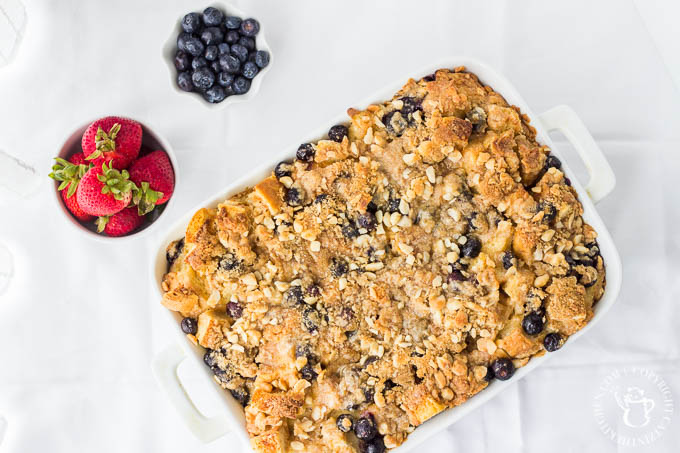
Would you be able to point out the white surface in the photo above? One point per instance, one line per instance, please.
(76, 345)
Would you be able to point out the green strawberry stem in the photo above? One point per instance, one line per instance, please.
(145, 198)
(101, 223)
(69, 174)
(116, 183)
(104, 142)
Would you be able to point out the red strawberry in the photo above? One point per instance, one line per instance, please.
(121, 223)
(104, 190)
(69, 173)
(112, 139)
(155, 180)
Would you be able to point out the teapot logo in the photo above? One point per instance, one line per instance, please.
(635, 406)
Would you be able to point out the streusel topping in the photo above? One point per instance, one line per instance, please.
(389, 272)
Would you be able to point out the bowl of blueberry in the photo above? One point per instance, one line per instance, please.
(219, 55)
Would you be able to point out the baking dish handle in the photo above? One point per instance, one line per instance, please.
(164, 367)
(564, 119)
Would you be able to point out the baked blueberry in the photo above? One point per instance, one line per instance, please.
(311, 319)
(189, 326)
(249, 27)
(194, 46)
(552, 342)
(225, 79)
(232, 22)
(191, 22)
(365, 428)
(215, 94)
(375, 445)
(230, 64)
(508, 260)
(293, 197)
(174, 250)
(209, 358)
(232, 37)
(471, 248)
(477, 116)
(489, 374)
(248, 43)
(184, 81)
(240, 52)
(314, 290)
(261, 58)
(250, 70)
(305, 350)
(212, 36)
(212, 16)
(394, 122)
(211, 53)
(198, 62)
(366, 220)
(203, 78)
(223, 48)
(234, 309)
(338, 267)
(241, 395)
(182, 61)
(294, 295)
(549, 211)
(241, 85)
(455, 276)
(344, 423)
(503, 369)
(553, 162)
(228, 262)
(305, 152)
(349, 231)
(283, 169)
(411, 104)
(308, 373)
(533, 323)
(337, 133)
(393, 204)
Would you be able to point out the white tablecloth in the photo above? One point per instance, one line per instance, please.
(78, 327)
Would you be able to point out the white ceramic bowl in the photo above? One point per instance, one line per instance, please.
(170, 48)
(150, 139)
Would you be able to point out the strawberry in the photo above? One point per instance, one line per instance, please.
(155, 179)
(112, 139)
(104, 190)
(120, 223)
(69, 173)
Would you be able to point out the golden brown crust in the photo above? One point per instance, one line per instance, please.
(384, 275)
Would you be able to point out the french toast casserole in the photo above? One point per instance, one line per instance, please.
(388, 272)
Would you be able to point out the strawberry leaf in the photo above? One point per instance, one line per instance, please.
(68, 173)
(145, 198)
(101, 223)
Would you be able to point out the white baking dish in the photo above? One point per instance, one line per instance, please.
(562, 118)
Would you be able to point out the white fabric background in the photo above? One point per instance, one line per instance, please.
(78, 328)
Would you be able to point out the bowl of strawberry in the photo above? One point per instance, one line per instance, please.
(114, 177)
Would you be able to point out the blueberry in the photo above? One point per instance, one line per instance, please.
(232, 37)
(194, 46)
(394, 122)
(182, 61)
(533, 323)
(477, 116)
(305, 350)
(471, 248)
(321, 198)
(241, 85)
(338, 267)
(223, 48)
(393, 204)
(365, 428)
(366, 220)
(344, 423)
(261, 58)
(234, 309)
(211, 53)
(212, 16)
(249, 27)
(411, 104)
(248, 43)
(373, 446)
(225, 79)
(294, 295)
(232, 22)
(209, 358)
(198, 62)
(175, 248)
(228, 262)
(189, 326)
(215, 66)
(203, 78)
(507, 259)
(250, 70)
(212, 35)
(349, 231)
(240, 52)
(347, 314)
(241, 395)
(503, 369)
(337, 133)
(215, 94)
(455, 276)
(311, 319)
(371, 207)
(191, 22)
(305, 152)
(184, 81)
(488, 377)
(293, 197)
(308, 373)
(553, 161)
(369, 393)
(283, 169)
(230, 64)
(552, 342)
